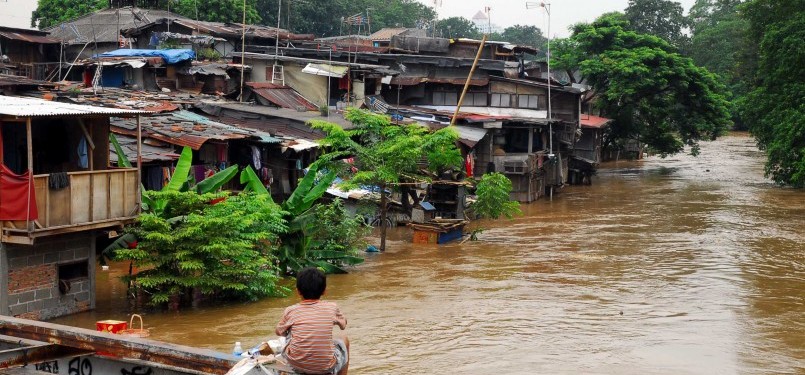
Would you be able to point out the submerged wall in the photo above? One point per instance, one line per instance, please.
(54, 277)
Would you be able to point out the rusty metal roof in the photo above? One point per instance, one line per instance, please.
(27, 107)
(225, 30)
(11, 80)
(185, 128)
(590, 121)
(281, 96)
(25, 35)
(149, 152)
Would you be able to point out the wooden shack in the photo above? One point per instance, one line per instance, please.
(57, 190)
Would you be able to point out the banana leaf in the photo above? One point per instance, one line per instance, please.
(253, 183)
(122, 160)
(308, 192)
(182, 170)
(121, 242)
(217, 180)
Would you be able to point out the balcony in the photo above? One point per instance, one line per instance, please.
(92, 200)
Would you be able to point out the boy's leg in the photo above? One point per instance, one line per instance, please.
(345, 368)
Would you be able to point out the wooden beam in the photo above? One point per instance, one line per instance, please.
(86, 133)
(137, 349)
(30, 146)
(139, 165)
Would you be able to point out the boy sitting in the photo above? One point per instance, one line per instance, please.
(308, 325)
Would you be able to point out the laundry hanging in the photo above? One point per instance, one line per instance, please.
(83, 155)
(256, 163)
(14, 189)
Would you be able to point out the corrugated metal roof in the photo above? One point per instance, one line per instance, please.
(11, 80)
(282, 96)
(185, 128)
(597, 122)
(149, 152)
(26, 107)
(30, 36)
(101, 26)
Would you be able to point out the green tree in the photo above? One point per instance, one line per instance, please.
(324, 17)
(718, 43)
(654, 94)
(662, 18)
(386, 154)
(458, 27)
(775, 108)
(525, 35)
(222, 249)
(493, 197)
(50, 13)
(217, 10)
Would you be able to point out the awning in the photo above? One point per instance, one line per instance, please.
(326, 70)
(469, 136)
(299, 145)
(136, 64)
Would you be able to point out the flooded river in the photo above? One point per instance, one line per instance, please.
(664, 266)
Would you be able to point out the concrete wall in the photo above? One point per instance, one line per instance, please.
(29, 277)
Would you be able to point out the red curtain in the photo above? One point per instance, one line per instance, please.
(14, 189)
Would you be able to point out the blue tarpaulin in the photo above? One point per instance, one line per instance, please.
(171, 56)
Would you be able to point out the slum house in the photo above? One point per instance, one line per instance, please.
(299, 147)
(100, 31)
(29, 53)
(57, 191)
(587, 154)
(210, 40)
(151, 70)
(382, 38)
(216, 146)
(502, 101)
(323, 82)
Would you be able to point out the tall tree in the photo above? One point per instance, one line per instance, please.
(718, 43)
(526, 35)
(386, 154)
(217, 10)
(50, 13)
(458, 27)
(324, 17)
(775, 108)
(654, 94)
(662, 18)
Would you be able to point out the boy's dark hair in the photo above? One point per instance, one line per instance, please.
(311, 282)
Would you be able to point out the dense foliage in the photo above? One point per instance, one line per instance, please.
(50, 13)
(457, 27)
(493, 197)
(775, 108)
(654, 94)
(661, 18)
(222, 249)
(386, 154)
(313, 237)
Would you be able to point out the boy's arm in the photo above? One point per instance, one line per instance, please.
(284, 325)
(340, 320)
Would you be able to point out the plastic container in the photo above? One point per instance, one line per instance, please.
(111, 326)
(237, 350)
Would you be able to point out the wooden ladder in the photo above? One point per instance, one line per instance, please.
(97, 78)
(278, 74)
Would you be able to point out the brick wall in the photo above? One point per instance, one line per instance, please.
(31, 275)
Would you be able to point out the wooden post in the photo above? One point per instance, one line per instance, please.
(383, 215)
(469, 79)
(30, 146)
(139, 166)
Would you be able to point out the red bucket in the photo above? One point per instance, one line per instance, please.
(111, 326)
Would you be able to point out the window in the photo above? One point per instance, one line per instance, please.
(528, 101)
(475, 99)
(445, 98)
(501, 100)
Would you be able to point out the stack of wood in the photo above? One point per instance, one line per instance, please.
(439, 225)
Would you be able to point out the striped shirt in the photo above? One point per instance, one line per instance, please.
(309, 327)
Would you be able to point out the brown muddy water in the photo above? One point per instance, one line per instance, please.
(664, 266)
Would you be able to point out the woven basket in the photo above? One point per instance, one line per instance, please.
(135, 332)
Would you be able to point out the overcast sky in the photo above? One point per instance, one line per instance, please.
(564, 13)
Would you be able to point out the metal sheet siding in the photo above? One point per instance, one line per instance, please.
(26, 107)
